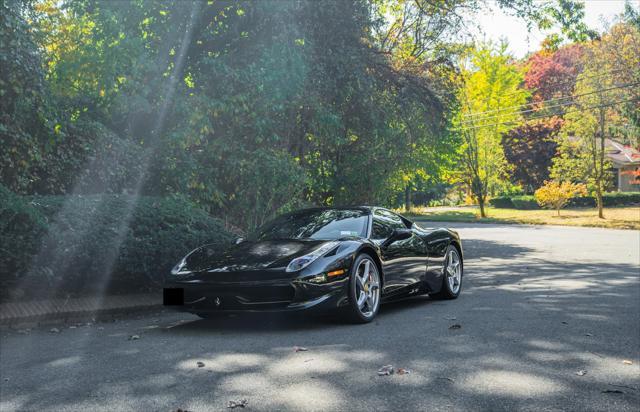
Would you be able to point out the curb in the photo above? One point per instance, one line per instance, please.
(60, 311)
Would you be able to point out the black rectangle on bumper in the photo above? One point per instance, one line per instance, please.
(173, 297)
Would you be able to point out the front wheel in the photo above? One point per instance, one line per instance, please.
(452, 275)
(364, 290)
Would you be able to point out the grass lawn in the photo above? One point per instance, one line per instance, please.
(615, 217)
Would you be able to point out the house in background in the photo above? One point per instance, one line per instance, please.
(625, 162)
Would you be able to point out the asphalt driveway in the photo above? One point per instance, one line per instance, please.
(548, 316)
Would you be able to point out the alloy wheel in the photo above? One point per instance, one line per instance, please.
(367, 287)
(453, 271)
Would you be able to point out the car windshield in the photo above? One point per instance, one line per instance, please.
(316, 224)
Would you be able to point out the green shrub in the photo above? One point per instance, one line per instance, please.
(526, 202)
(582, 201)
(621, 198)
(101, 244)
(503, 202)
(609, 199)
(21, 228)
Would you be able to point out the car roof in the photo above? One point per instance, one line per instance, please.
(369, 209)
(363, 208)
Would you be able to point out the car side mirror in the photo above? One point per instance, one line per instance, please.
(398, 234)
(239, 240)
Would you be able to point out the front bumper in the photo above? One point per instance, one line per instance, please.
(255, 295)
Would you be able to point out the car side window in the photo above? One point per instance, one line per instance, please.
(381, 229)
(384, 223)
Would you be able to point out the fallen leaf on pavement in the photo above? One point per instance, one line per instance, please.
(54, 330)
(564, 323)
(299, 349)
(308, 360)
(581, 372)
(403, 371)
(237, 404)
(385, 370)
(448, 379)
(588, 334)
(612, 391)
(134, 337)
(455, 326)
(200, 364)
(627, 362)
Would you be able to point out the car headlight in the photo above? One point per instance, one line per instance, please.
(302, 262)
(179, 268)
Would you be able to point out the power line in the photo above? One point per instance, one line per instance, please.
(522, 105)
(568, 103)
(593, 76)
(548, 115)
(552, 84)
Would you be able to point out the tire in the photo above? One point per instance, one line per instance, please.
(367, 290)
(452, 275)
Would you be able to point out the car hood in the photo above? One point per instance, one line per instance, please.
(248, 255)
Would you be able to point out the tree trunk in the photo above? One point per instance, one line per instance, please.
(599, 199)
(481, 204)
(477, 189)
(407, 198)
(601, 172)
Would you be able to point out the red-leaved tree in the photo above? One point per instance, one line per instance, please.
(552, 75)
(529, 149)
(551, 78)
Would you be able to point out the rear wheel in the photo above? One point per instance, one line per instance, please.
(364, 290)
(452, 275)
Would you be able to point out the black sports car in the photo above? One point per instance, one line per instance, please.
(350, 259)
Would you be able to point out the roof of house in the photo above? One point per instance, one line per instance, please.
(620, 154)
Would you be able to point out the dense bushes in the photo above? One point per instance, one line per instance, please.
(503, 202)
(619, 199)
(525, 202)
(21, 228)
(529, 202)
(55, 246)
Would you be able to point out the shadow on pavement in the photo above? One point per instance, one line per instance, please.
(528, 323)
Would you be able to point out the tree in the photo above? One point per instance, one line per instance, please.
(529, 149)
(556, 194)
(490, 90)
(24, 113)
(552, 75)
(569, 16)
(599, 109)
(247, 108)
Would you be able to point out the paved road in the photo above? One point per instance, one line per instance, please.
(539, 305)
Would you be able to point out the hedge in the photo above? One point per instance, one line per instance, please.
(620, 199)
(503, 202)
(59, 246)
(529, 202)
